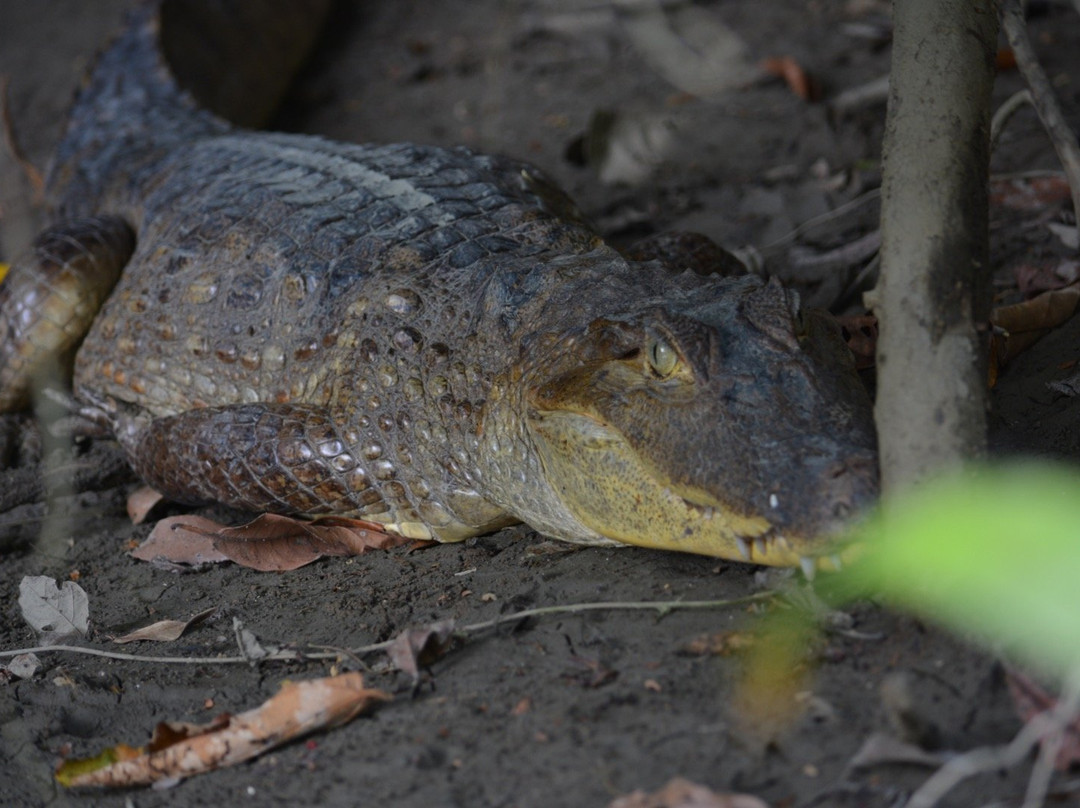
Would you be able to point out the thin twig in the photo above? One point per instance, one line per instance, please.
(661, 607)
(846, 297)
(846, 255)
(992, 758)
(874, 193)
(1029, 174)
(1006, 111)
(828, 216)
(875, 91)
(1043, 98)
(96, 652)
(1043, 770)
(1064, 712)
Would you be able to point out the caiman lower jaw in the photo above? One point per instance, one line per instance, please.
(778, 549)
(607, 488)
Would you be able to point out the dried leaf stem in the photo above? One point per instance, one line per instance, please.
(1043, 727)
(662, 608)
(1043, 98)
(1005, 112)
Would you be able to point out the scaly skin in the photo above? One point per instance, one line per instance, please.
(433, 339)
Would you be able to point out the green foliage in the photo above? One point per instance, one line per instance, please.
(994, 552)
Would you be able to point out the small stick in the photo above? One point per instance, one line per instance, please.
(873, 92)
(828, 216)
(661, 607)
(1043, 98)
(1006, 111)
(992, 758)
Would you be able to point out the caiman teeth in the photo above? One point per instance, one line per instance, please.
(809, 567)
(743, 547)
(704, 511)
(751, 548)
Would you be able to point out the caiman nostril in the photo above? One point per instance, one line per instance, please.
(837, 470)
(848, 487)
(858, 466)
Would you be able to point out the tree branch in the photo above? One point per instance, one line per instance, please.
(933, 296)
(1043, 98)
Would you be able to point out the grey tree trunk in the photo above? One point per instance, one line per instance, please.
(933, 298)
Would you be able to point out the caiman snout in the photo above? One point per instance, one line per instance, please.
(845, 488)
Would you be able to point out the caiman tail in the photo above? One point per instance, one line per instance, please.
(181, 69)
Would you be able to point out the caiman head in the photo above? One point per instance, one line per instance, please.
(734, 426)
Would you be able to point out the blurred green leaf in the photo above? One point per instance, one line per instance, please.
(994, 551)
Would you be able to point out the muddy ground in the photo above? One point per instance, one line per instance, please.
(565, 710)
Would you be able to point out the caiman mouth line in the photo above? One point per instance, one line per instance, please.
(765, 547)
(750, 536)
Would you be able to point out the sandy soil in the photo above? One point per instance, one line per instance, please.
(567, 710)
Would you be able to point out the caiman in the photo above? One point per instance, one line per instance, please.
(429, 338)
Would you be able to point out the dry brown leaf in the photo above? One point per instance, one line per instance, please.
(861, 334)
(1030, 699)
(181, 540)
(270, 543)
(1025, 323)
(681, 793)
(140, 502)
(1034, 279)
(1029, 193)
(21, 666)
(417, 648)
(798, 80)
(593, 673)
(278, 543)
(721, 643)
(180, 750)
(55, 613)
(164, 630)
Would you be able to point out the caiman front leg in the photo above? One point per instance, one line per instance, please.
(281, 458)
(50, 297)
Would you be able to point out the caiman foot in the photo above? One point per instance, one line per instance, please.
(49, 298)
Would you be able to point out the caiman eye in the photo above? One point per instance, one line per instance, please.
(662, 357)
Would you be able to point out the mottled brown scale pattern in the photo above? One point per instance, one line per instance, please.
(246, 337)
(430, 338)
